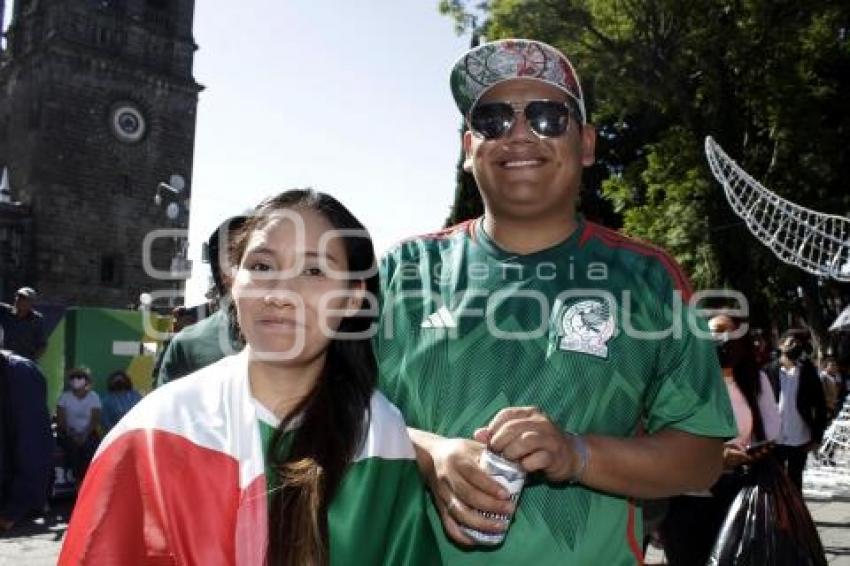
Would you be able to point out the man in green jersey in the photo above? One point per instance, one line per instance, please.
(553, 341)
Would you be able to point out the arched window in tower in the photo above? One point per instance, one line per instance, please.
(111, 270)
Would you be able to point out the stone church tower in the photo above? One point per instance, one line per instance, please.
(97, 125)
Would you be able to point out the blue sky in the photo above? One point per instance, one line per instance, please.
(350, 98)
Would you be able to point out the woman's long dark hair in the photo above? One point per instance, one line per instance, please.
(746, 374)
(334, 416)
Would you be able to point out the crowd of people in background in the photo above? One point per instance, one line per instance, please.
(780, 410)
(31, 430)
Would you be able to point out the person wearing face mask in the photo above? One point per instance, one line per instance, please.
(120, 398)
(694, 519)
(802, 406)
(78, 421)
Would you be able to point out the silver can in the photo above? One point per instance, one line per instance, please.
(512, 477)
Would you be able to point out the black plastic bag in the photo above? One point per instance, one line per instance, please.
(768, 524)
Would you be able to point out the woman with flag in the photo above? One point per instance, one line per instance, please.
(283, 453)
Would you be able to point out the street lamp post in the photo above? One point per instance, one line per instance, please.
(180, 264)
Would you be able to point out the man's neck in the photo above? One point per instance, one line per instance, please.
(787, 363)
(523, 237)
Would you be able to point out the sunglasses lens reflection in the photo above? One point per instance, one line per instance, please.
(492, 120)
(546, 118)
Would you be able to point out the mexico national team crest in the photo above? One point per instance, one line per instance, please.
(586, 327)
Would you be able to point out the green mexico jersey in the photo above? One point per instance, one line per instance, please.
(595, 331)
(378, 515)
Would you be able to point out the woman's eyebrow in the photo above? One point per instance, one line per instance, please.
(265, 250)
(261, 250)
(327, 256)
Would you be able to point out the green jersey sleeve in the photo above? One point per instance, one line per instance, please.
(173, 364)
(688, 392)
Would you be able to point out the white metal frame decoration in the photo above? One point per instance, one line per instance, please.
(827, 473)
(816, 242)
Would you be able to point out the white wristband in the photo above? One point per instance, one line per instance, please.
(580, 449)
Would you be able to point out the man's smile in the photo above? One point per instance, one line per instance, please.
(521, 163)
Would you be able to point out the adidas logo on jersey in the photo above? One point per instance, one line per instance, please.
(440, 319)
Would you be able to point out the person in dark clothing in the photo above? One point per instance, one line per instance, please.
(213, 338)
(23, 326)
(834, 386)
(120, 398)
(27, 442)
(694, 519)
(802, 407)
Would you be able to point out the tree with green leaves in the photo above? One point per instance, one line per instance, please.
(768, 79)
(467, 203)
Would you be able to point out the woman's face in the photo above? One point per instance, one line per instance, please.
(730, 351)
(291, 288)
(78, 383)
(120, 382)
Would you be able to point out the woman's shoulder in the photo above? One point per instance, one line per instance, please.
(387, 436)
(207, 378)
(385, 411)
(19, 363)
(199, 393)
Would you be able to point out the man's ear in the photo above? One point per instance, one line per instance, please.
(467, 151)
(588, 145)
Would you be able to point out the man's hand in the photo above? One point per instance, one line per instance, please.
(527, 436)
(734, 456)
(459, 486)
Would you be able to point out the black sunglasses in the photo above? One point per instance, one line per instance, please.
(546, 118)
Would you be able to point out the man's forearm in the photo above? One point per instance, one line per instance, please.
(667, 463)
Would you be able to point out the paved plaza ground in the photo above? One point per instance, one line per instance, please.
(37, 542)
